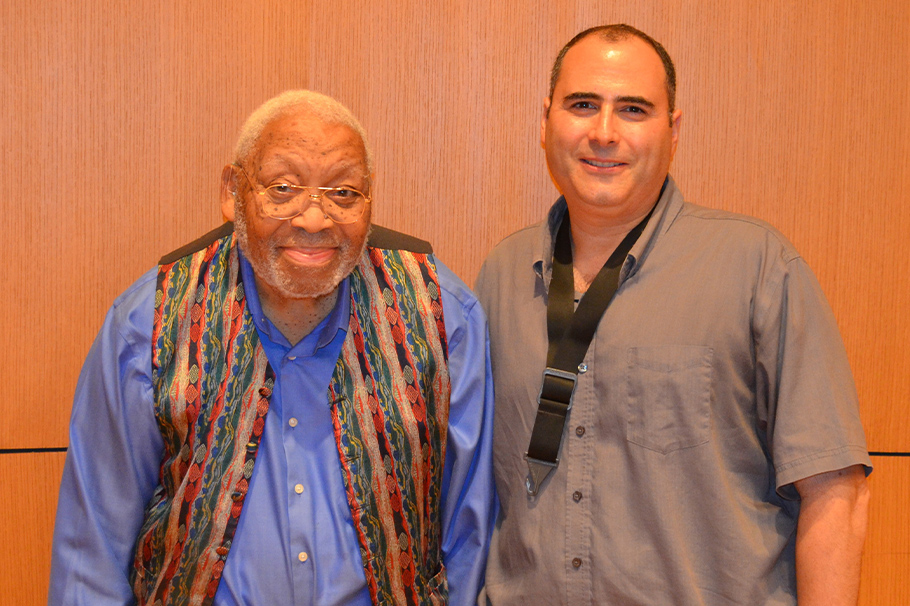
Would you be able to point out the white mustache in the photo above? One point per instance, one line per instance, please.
(310, 240)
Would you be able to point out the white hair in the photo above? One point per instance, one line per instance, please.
(322, 106)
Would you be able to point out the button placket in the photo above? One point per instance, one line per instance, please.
(580, 458)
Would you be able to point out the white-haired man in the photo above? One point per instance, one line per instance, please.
(294, 409)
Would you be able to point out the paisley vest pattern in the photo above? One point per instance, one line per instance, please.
(212, 382)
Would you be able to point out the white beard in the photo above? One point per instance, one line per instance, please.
(300, 283)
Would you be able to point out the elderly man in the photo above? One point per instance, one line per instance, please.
(692, 438)
(294, 409)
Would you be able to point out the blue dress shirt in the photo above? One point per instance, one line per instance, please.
(296, 542)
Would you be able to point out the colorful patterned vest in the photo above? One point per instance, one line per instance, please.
(212, 382)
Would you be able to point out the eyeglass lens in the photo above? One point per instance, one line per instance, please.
(341, 204)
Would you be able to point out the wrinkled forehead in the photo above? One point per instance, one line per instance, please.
(305, 138)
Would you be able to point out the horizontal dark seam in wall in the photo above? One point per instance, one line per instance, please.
(63, 449)
(30, 450)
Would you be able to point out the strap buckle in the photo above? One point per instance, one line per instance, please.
(557, 390)
(537, 472)
(553, 404)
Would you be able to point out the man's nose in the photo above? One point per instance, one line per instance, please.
(312, 218)
(603, 128)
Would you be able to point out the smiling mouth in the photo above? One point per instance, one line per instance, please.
(310, 256)
(602, 164)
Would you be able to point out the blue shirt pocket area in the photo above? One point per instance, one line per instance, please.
(669, 396)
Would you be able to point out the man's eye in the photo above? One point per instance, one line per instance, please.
(584, 105)
(633, 109)
(343, 195)
(343, 192)
(281, 192)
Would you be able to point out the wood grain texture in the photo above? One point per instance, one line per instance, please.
(29, 502)
(126, 115)
(117, 120)
(886, 558)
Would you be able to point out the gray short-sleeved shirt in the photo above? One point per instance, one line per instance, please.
(716, 379)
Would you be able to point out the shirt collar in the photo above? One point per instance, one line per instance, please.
(324, 332)
(668, 206)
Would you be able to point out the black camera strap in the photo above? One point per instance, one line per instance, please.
(569, 331)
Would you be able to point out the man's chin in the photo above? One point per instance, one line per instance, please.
(311, 283)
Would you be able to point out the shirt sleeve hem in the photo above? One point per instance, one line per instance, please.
(821, 462)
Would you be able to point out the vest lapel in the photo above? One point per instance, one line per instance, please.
(390, 397)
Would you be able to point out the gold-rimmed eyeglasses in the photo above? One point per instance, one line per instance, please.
(285, 201)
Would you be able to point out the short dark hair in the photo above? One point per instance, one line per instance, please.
(616, 33)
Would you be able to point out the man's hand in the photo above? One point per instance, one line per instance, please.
(830, 535)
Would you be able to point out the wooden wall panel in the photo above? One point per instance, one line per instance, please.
(118, 117)
(790, 135)
(28, 501)
(886, 559)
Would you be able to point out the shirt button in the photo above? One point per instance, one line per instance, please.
(292, 422)
(299, 489)
(576, 562)
(582, 368)
(580, 431)
(576, 496)
(303, 557)
(292, 358)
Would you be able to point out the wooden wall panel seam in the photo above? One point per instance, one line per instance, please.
(4, 451)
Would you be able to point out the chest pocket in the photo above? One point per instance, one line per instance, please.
(669, 396)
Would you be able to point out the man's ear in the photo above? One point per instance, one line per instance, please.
(675, 122)
(543, 122)
(228, 191)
